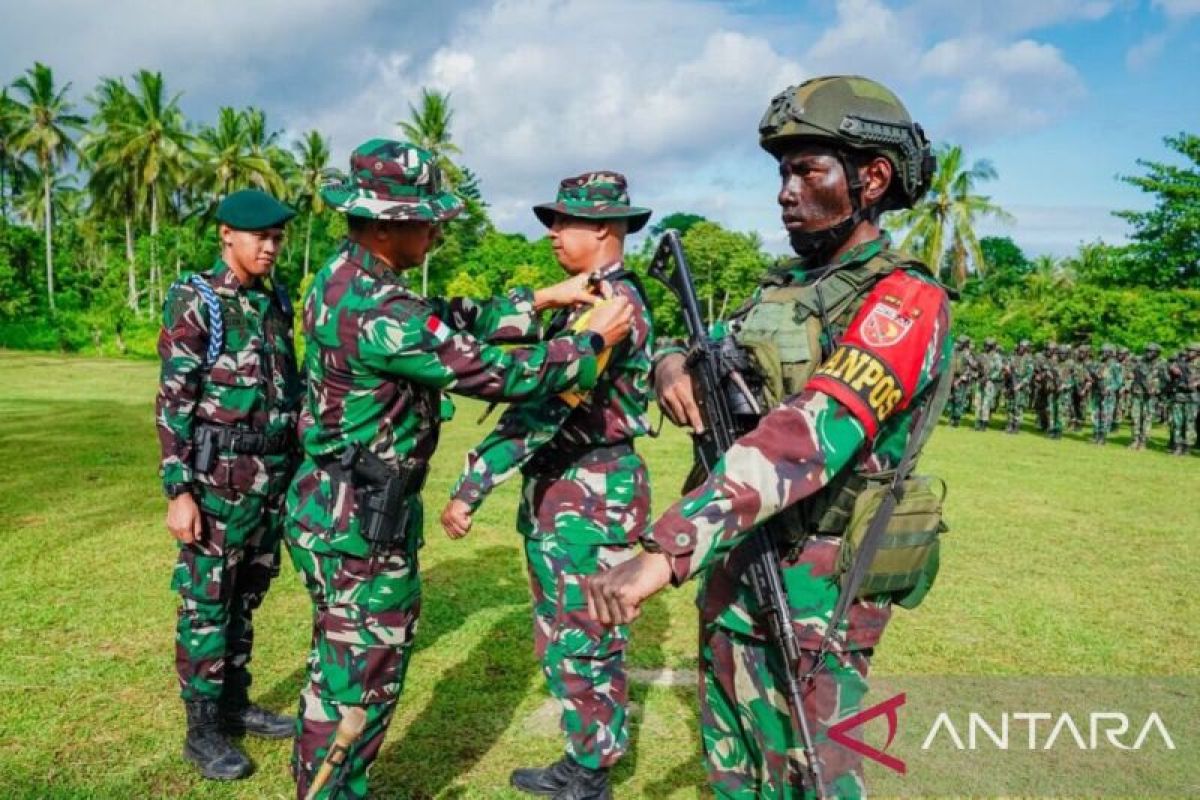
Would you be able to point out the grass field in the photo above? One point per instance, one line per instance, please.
(1064, 559)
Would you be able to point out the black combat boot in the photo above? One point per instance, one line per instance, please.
(980, 425)
(207, 747)
(545, 781)
(239, 715)
(588, 784)
(954, 422)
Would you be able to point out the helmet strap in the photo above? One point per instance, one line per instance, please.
(815, 247)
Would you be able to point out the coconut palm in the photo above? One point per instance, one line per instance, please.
(144, 145)
(942, 226)
(312, 159)
(14, 173)
(429, 127)
(43, 123)
(225, 160)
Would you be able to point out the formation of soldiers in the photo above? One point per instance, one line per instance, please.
(839, 365)
(1078, 389)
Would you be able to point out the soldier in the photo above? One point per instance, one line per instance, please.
(1020, 382)
(1122, 413)
(885, 314)
(1063, 399)
(379, 358)
(1082, 387)
(586, 495)
(1148, 379)
(1106, 381)
(1180, 393)
(1044, 380)
(991, 377)
(226, 414)
(964, 368)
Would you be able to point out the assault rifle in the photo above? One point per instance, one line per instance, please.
(729, 409)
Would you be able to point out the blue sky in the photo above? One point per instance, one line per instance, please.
(1061, 95)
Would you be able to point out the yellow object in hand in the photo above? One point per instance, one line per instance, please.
(574, 397)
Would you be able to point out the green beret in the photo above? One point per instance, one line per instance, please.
(252, 210)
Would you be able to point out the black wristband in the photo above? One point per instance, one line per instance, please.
(173, 490)
(597, 342)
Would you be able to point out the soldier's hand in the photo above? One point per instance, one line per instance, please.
(456, 519)
(615, 596)
(183, 519)
(612, 320)
(573, 291)
(676, 393)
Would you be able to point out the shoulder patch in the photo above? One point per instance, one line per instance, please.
(440, 330)
(875, 368)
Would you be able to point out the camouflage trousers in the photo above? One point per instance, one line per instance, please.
(750, 748)
(1181, 422)
(576, 523)
(1017, 401)
(985, 400)
(1141, 409)
(221, 581)
(365, 614)
(1061, 404)
(960, 399)
(1102, 408)
(583, 661)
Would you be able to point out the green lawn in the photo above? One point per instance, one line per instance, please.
(1064, 559)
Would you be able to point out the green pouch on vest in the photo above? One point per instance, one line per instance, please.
(906, 562)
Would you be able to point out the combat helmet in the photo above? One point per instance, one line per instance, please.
(1025, 344)
(1107, 348)
(963, 341)
(989, 342)
(1154, 347)
(850, 112)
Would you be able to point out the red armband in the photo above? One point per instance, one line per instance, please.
(875, 368)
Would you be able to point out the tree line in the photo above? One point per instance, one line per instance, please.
(105, 201)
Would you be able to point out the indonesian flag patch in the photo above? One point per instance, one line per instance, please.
(884, 326)
(440, 330)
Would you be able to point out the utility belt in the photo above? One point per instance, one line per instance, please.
(212, 440)
(382, 493)
(552, 459)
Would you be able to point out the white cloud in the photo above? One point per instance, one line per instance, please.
(1146, 51)
(1005, 17)
(999, 88)
(546, 88)
(868, 38)
(1059, 230)
(1178, 9)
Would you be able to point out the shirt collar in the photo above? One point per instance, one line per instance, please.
(362, 258)
(793, 270)
(224, 281)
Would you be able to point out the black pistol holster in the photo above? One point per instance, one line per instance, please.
(211, 440)
(382, 493)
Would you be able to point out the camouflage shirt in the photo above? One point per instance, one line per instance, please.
(253, 383)
(379, 358)
(857, 411)
(615, 410)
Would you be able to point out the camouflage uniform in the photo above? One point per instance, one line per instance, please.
(1107, 379)
(747, 732)
(1081, 390)
(226, 410)
(1148, 377)
(991, 377)
(1062, 400)
(965, 366)
(1020, 384)
(585, 500)
(1044, 381)
(1122, 412)
(379, 358)
(1181, 395)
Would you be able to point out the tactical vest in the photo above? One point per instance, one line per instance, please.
(788, 332)
(790, 329)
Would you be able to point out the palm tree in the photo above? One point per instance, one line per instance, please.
(312, 157)
(429, 127)
(145, 146)
(111, 183)
(225, 160)
(14, 173)
(42, 126)
(942, 225)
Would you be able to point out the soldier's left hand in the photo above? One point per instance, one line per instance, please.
(456, 519)
(615, 596)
